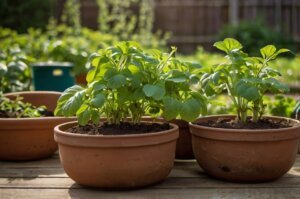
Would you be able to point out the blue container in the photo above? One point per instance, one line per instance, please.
(52, 76)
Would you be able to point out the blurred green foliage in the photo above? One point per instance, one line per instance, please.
(278, 105)
(288, 67)
(131, 20)
(256, 34)
(57, 43)
(14, 70)
(21, 14)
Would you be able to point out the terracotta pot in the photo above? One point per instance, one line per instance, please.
(245, 155)
(30, 138)
(184, 149)
(116, 161)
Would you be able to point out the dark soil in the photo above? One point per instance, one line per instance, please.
(264, 123)
(124, 128)
(6, 114)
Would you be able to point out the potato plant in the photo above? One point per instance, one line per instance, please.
(246, 79)
(127, 81)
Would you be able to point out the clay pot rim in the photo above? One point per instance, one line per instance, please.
(245, 135)
(246, 130)
(58, 130)
(32, 119)
(32, 92)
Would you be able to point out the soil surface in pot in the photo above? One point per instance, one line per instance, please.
(122, 129)
(8, 114)
(264, 123)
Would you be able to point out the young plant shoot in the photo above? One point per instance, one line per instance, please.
(246, 79)
(127, 81)
(18, 109)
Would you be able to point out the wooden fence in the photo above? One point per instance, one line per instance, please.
(197, 22)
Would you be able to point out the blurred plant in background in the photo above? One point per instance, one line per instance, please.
(278, 105)
(20, 14)
(130, 20)
(256, 34)
(14, 70)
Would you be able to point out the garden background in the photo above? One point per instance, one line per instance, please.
(70, 30)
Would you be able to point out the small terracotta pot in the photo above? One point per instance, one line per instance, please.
(243, 155)
(184, 149)
(30, 138)
(116, 161)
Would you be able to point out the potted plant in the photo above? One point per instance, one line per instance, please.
(182, 103)
(124, 84)
(244, 147)
(26, 125)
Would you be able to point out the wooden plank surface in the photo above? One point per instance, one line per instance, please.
(47, 179)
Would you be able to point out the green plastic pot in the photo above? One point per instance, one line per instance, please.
(52, 76)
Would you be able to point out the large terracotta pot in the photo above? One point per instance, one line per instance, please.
(184, 149)
(245, 155)
(30, 138)
(116, 161)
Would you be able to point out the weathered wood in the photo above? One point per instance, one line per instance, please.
(46, 179)
(248, 193)
(169, 183)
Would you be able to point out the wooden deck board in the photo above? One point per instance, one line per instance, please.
(47, 179)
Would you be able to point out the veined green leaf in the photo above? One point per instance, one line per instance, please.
(190, 110)
(116, 81)
(171, 108)
(268, 51)
(154, 91)
(71, 106)
(98, 100)
(228, 44)
(247, 91)
(84, 116)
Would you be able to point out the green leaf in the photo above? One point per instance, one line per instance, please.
(228, 44)
(98, 100)
(92, 57)
(194, 79)
(138, 94)
(271, 72)
(97, 86)
(268, 51)
(275, 86)
(154, 91)
(95, 116)
(67, 97)
(190, 110)
(110, 73)
(133, 69)
(215, 77)
(116, 81)
(69, 92)
(91, 75)
(84, 116)
(171, 108)
(247, 91)
(71, 106)
(3, 69)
